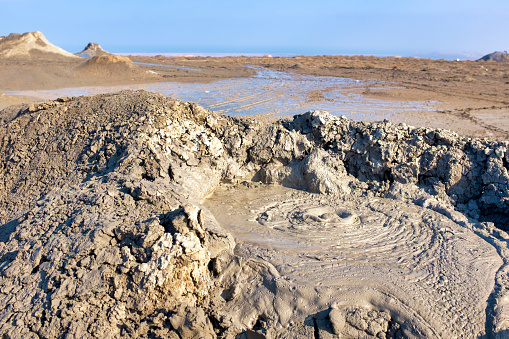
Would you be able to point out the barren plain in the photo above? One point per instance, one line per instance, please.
(467, 97)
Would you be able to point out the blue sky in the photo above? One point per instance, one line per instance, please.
(278, 26)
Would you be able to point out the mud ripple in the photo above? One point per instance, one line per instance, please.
(366, 251)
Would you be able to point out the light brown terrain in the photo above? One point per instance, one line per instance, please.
(470, 97)
(132, 214)
(137, 215)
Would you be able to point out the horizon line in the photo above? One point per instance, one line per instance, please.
(423, 55)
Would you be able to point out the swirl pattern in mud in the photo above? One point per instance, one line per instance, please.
(437, 274)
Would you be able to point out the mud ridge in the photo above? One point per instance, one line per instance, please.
(117, 213)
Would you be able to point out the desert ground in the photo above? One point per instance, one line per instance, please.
(469, 97)
(134, 214)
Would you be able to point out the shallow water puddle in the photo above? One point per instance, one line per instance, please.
(422, 263)
(270, 92)
(169, 66)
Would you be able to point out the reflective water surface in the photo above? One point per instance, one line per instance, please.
(272, 92)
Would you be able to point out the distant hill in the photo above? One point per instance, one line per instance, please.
(496, 56)
(93, 49)
(111, 66)
(31, 44)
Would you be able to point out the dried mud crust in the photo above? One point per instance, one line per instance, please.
(104, 232)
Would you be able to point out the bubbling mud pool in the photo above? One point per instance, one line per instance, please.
(433, 276)
(270, 92)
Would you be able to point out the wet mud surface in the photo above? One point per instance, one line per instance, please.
(269, 92)
(418, 92)
(136, 215)
(392, 255)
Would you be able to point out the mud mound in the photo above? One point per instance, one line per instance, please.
(30, 44)
(133, 269)
(115, 66)
(392, 232)
(496, 56)
(93, 49)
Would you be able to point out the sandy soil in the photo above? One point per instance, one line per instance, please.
(39, 72)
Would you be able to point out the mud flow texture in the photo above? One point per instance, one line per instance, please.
(136, 215)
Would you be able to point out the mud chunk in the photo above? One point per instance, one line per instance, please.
(338, 320)
(325, 173)
(176, 222)
(370, 321)
(191, 322)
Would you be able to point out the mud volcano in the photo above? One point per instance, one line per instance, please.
(113, 66)
(136, 215)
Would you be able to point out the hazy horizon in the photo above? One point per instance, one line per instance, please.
(433, 55)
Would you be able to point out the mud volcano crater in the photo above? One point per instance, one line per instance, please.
(136, 215)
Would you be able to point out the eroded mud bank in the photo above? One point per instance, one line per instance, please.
(343, 227)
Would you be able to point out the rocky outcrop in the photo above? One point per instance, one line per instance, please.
(103, 232)
(496, 56)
